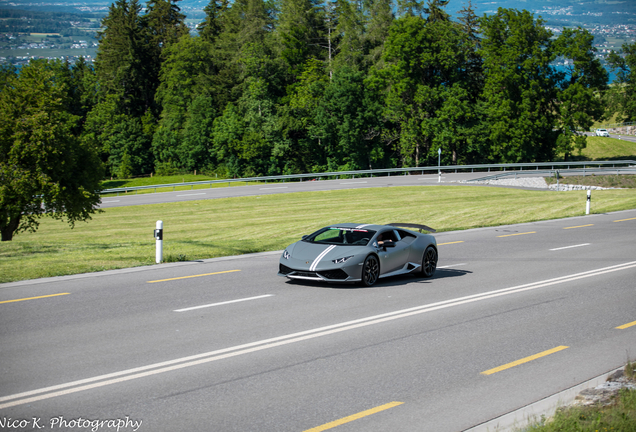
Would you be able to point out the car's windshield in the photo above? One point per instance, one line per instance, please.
(341, 236)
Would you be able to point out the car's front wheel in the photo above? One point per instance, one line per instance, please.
(429, 262)
(370, 270)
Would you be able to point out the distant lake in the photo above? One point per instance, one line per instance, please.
(612, 75)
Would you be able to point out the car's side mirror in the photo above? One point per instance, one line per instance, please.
(386, 244)
(304, 237)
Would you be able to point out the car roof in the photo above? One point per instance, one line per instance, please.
(350, 225)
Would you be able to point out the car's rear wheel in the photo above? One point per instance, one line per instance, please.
(370, 270)
(429, 262)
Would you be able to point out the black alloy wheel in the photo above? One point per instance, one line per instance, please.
(429, 262)
(370, 270)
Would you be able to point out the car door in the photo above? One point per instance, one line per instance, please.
(393, 258)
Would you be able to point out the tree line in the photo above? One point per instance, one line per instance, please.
(272, 87)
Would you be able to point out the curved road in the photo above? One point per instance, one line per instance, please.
(447, 179)
(513, 314)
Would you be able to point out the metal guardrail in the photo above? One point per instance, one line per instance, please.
(385, 171)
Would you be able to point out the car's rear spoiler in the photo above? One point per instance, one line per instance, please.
(410, 225)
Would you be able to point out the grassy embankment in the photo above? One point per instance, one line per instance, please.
(618, 416)
(602, 148)
(122, 237)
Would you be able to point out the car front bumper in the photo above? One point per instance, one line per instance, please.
(327, 275)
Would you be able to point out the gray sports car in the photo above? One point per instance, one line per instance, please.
(363, 253)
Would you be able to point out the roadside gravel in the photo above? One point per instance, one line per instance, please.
(535, 183)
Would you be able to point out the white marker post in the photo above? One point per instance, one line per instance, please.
(159, 238)
(589, 199)
(439, 164)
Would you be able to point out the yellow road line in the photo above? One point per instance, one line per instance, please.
(623, 220)
(193, 276)
(442, 244)
(624, 326)
(33, 298)
(510, 235)
(580, 226)
(524, 360)
(351, 418)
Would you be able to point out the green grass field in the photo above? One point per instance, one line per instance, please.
(603, 148)
(122, 237)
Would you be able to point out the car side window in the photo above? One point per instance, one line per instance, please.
(405, 234)
(388, 236)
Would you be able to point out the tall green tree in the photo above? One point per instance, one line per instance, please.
(347, 120)
(301, 143)
(212, 25)
(350, 30)
(44, 168)
(244, 135)
(520, 86)
(410, 8)
(434, 11)
(116, 134)
(424, 75)
(379, 18)
(126, 60)
(301, 31)
(189, 74)
(579, 89)
(165, 23)
(624, 93)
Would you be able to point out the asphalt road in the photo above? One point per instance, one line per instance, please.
(237, 190)
(447, 179)
(513, 314)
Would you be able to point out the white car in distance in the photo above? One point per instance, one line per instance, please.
(602, 132)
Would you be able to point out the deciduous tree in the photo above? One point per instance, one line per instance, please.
(624, 63)
(44, 168)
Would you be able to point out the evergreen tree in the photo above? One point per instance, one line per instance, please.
(189, 73)
(435, 12)
(125, 62)
(212, 25)
(379, 18)
(165, 22)
(301, 32)
(351, 35)
(410, 8)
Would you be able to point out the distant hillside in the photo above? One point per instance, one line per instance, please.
(558, 13)
(24, 21)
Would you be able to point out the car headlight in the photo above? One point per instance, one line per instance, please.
(286, 254)
(341, 260)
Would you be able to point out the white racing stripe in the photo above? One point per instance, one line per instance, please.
(319, 257)
(184, 362)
